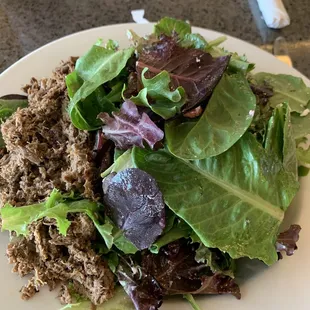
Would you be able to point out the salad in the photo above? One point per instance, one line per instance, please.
(150, 170)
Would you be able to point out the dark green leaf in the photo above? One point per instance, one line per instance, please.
(234, 201)
(280, 140)
(85, 112)
(194, 40)
(98, 66)
(178, 231)
(230, 110)
(286, 88)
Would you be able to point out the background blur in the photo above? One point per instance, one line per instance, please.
(26, 25)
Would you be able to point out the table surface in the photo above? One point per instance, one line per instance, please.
(28, 24)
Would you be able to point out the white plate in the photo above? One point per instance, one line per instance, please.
(283, 286)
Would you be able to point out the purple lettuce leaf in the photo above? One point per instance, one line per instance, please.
(135, 204)
(218, 284)
(173, 271)
(177, 271)
(128, 127)
(287, 240)
(193, 69)
(142, 288)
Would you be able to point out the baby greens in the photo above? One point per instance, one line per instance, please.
(238, 198)
(228, 115)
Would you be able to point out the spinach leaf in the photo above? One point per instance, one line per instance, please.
(98, 66)
(8, 105)
(84, 115)
(166, 102)
(228, 115)
(279, 138)
(286, 88)
(235, 201)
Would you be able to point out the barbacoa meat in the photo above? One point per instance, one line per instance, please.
(70, 260)
(45, 150)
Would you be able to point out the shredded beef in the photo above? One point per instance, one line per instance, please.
(45, 150)
(53, 258)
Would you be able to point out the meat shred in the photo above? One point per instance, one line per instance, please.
(70, 260)
(45, 150)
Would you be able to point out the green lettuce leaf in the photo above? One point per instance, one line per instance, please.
(123, 162)
(84, 115)
(228, 115)
(98, 66)
(300, 124)
(194, 40)
(280, 139)
(18, 218)
(235, 201)
(237, 63)
(301, 133)
(119, 240)
(8, 105)
(111, 44)
(166, 102)
(218, 261)
(57, 206)
(303, 151)
(170, 26)
(192, 301)
(120, 301)
(303, 171)
(286, 88)
(178, 231)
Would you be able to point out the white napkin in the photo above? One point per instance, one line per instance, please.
(138, 17)
(274, 13)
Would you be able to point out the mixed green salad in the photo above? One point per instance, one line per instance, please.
(207, 156)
